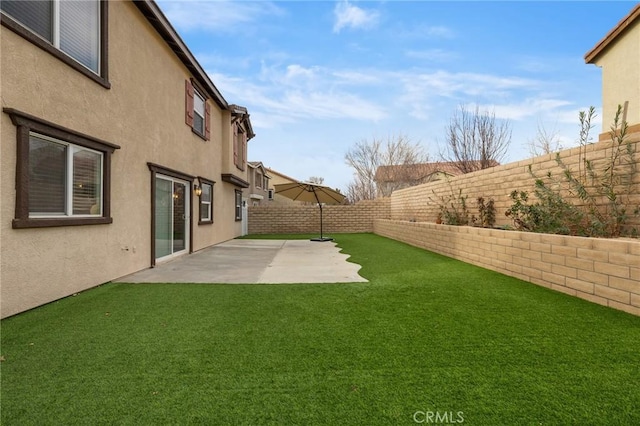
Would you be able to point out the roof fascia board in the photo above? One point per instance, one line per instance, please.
(602, 45)
(161, 24)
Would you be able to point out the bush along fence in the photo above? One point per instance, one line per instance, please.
(592, 190)
(603, 191)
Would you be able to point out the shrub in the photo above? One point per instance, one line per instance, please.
(487, 212)
(603, 190)
(453, 208)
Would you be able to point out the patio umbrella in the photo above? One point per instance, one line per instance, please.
(311, 192)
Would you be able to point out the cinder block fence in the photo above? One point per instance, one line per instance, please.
(604, 271)
(305, 219)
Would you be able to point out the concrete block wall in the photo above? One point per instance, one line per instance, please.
(305, 219)
(421, 203)
(603, 271)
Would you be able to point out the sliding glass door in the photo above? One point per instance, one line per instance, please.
(171, 216)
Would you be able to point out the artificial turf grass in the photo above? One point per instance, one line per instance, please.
(427, 333)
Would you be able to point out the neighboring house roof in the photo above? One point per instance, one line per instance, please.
(281, 175)
(612, 35)
(417, 172)
(258, 165)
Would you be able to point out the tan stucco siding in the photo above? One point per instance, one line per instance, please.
(143, 113)
(620, 63)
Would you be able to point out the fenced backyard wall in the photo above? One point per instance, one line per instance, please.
(421, 203)
(305, 219)
(604, 271)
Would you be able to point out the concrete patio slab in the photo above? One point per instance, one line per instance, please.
(256, 262)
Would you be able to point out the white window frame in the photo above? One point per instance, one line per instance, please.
(208, 204)
(196, 98)
(68, 189)
(238, 204)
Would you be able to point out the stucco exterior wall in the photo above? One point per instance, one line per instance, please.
(620, 77)
(143, 112)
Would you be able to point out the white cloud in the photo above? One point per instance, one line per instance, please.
(285, 99)
(526, 109)
(220, 15)
(331, 105)
(419, 90)
(433, 55)
(284, 95)
(357, 78)
(350, 16)
(571, 117)
(425, 32)
(297, 72)
(439, 31)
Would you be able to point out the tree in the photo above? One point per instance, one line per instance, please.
(367, 156)
(545, 142)
(476, 140)
(316, 179)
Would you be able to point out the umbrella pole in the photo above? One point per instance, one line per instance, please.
(322, 238)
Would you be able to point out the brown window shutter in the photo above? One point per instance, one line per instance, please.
(188, 96)
(207, 121)
(235, 145)
(244, 151)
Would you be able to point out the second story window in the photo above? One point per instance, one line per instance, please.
(198, 113)
(239, 147)
(71, 27)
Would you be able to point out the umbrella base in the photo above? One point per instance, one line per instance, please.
(322, 239)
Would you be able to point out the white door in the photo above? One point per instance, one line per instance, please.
(245, 217)
(171, 217)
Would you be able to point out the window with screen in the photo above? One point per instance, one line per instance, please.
(74, 31)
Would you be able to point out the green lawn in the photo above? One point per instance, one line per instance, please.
(427, 336)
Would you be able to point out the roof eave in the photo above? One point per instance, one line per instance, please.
(241, 113)
(161, 24)
(591, 56)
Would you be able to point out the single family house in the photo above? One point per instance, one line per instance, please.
(259, 191)
(278, 178)
(618, 54)
(393, 178)
(118, 151)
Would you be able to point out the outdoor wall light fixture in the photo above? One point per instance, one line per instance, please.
(197, 189)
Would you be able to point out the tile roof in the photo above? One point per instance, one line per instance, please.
(417, 172)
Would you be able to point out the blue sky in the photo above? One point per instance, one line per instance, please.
(319, 76)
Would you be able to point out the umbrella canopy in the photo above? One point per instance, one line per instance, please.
(311, 192)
